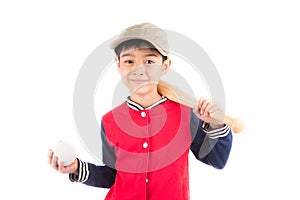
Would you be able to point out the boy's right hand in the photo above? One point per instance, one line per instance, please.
(59, 166)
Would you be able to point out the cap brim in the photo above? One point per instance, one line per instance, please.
(118, 41)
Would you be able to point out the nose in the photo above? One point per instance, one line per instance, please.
(139, 71)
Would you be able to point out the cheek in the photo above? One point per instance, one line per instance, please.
(155, 74)
(123, 72)
(124, 76)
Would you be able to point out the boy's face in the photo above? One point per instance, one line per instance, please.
(141, 69)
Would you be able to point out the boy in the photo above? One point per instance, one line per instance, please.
(146, 140)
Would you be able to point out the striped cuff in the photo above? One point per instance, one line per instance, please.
(215, 133)
(83, 172)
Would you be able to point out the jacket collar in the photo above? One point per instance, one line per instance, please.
(138, 107)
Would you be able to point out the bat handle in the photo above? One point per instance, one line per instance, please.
(236, 124)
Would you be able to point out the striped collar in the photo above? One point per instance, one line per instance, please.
(138, 107)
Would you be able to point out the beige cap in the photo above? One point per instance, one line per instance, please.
(145, 31)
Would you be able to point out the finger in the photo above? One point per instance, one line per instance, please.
(50, 155)
(213, 108)
(61, 167)
(196, 110)
(205, 107)
(54, 162)
(201, 101)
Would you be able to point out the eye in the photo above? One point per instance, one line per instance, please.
(128, 61)
(148, 62)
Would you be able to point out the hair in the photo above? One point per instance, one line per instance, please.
(136, 44)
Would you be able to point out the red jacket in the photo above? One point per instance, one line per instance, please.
(145, 151)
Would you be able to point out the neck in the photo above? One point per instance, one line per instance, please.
(146, 100)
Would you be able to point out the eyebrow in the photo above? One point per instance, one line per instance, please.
(127, 54)
(150, 55)
(147, 55)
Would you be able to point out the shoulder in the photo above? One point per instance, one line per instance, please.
(110, 114)
(174, 104)
(176, 107)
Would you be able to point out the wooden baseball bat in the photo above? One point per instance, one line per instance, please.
(175, 94)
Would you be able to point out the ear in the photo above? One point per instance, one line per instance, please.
(118, 63)
(166, 65)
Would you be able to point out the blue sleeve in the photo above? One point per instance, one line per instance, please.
(100, 176)
(94, 175)
(212, 149)
(103, 176)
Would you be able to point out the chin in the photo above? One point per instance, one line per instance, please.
(143, 90)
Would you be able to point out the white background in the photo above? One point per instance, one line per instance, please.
(254, 44)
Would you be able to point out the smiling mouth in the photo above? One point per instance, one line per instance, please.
(138, 81)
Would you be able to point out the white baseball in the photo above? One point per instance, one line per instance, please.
(65, 152)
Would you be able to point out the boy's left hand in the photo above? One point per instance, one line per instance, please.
(204, 110)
